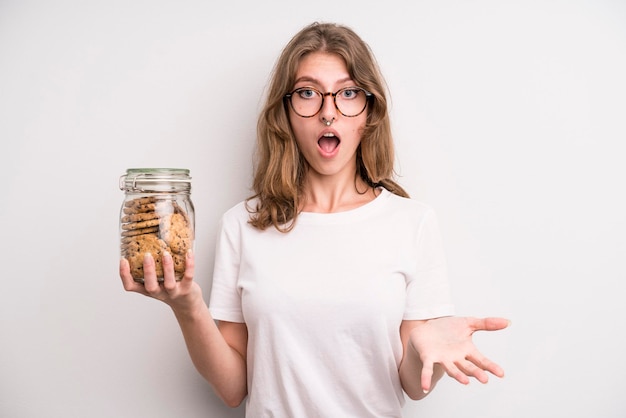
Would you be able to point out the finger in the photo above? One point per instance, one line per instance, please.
(488, 324)
(150, 282)
(485, 364)
(427, 376)
(189, 267)
(470, 369)
(454, 372)
(169, 277)
(129, 283)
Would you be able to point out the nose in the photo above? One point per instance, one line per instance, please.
(329, 110)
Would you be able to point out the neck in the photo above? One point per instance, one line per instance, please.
(327, 194)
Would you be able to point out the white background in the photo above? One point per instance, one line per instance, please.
(509, 119)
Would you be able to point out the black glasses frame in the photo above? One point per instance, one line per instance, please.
(368, 96)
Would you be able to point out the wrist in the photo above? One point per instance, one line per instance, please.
(193, 306)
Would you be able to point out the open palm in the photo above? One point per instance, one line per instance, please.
(448, 342)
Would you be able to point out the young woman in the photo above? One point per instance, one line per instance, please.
(330, 296)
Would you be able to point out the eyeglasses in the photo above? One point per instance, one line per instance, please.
(349, 101)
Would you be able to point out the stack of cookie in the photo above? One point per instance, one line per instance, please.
(152, 224)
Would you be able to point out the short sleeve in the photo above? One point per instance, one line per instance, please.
(225, 300)
(428, 291)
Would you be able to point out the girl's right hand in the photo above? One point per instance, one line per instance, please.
(182, 296)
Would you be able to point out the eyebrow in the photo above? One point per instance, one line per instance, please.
(316, 81)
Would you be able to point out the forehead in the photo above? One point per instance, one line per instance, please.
(322, 68)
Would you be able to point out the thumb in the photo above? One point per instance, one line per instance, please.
(489, 324)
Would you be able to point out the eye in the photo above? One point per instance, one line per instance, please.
(350, 93)
(305, 93)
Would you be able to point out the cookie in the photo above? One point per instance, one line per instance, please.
(140, 201)
(180, 245)
(176, 232)
(136, 250)
(148, 207)
(138, 217)
(141, 224)
(178, 209)
(140, 231)
(179, 264)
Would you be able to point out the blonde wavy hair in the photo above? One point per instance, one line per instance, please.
(280, 168)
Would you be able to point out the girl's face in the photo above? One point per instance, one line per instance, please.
(329, 150)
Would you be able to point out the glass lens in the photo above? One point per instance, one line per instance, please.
(351, 101)
(306, 102)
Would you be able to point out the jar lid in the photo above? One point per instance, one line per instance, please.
(140, 180)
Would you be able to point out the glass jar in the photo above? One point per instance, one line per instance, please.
(157, 215)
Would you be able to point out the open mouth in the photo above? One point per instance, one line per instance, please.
(328, 142)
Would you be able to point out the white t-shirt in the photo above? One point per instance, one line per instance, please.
(323, 304)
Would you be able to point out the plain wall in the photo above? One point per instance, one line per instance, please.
(508, 118)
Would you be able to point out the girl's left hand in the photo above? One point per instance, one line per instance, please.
(447, 341)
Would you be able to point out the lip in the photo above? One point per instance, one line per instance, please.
(329, 131)
(335, 150)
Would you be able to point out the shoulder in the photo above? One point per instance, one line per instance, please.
(405, 205)
(237, 211)
(237, 217)
(409, 216)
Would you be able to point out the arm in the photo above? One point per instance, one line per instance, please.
(441, 345)
(217, 352)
